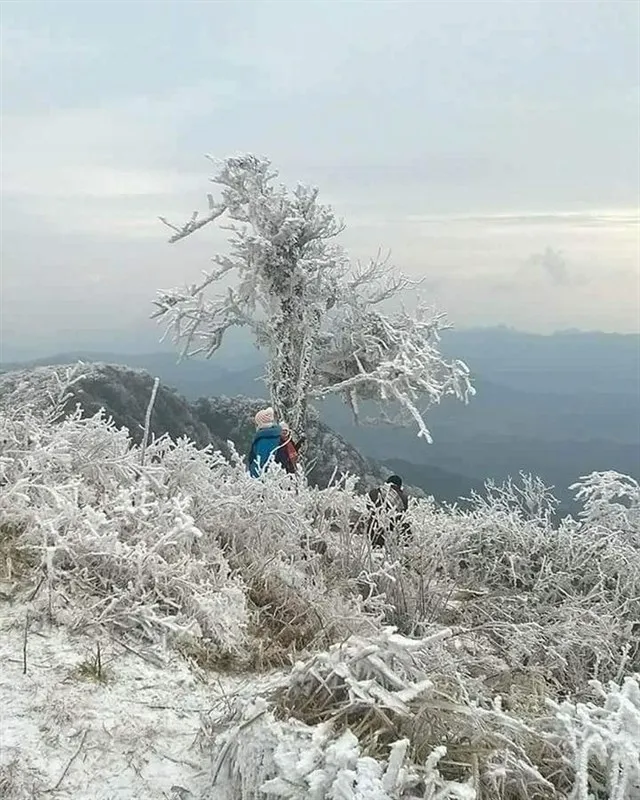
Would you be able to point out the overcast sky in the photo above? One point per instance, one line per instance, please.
(491, 146)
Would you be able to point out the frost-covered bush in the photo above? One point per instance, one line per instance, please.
(116, 538)
(504, 617)
(612, 502)
(604, 741)
(264, 757)
(331, 730)
(369, 719)
(562, 597)
(182, 546)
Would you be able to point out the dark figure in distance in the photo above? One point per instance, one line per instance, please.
(388, 505)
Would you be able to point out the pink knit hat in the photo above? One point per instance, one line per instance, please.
(265, 418)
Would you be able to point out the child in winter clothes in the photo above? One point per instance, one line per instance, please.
(267, 444)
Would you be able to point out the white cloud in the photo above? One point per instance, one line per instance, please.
(94, 182)
(74, 169)
(135, 129)
(611, 218)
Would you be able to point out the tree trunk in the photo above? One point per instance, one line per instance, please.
(288, 394)
(290, 371)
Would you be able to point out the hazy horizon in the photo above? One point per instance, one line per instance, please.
(491, 147)
(239, 342)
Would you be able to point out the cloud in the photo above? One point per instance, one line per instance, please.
(622, 218)
(95, 182)
(553, 266)
(90, 169)
(139, 129)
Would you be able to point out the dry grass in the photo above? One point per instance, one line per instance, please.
(93, 669)
(372, 694)
(208, 656)
(15, 561)
(284, 624)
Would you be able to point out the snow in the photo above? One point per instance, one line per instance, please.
(183, 641)
(135, 734)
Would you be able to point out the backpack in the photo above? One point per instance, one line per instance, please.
(265, 448)
(290, 451)
(390, 498)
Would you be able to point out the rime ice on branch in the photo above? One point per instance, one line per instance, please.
(320, 319)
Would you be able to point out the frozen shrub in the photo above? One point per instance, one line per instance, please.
(603, 742)
(504, 617)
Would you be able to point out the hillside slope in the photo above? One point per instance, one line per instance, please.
(124, 394)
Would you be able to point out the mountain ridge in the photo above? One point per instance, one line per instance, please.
(559, 406)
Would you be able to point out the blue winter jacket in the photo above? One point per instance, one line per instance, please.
(265, 443)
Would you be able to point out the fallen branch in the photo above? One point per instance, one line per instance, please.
(24, 645)
(70, 762)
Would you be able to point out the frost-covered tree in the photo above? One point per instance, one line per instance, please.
(320, 319)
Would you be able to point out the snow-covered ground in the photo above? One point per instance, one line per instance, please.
(132, 734)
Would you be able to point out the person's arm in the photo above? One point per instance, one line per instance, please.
(297, 445)
(251, 460)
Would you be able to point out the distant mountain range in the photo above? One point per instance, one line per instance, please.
(558, 406)
(570, 362)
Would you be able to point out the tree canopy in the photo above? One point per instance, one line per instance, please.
(324, 322)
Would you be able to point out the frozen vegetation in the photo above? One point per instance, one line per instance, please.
(124, 394)
(325, 324)
(169, 628)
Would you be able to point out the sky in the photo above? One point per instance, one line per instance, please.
(491, 147)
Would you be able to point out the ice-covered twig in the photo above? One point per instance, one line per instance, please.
(147, 420)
